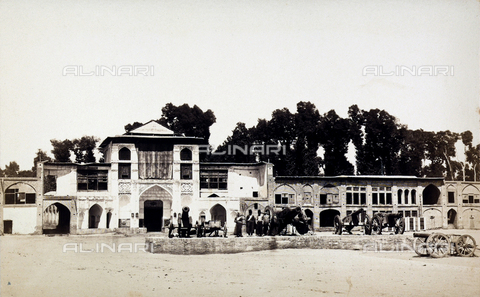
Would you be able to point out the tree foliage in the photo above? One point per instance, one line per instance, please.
(183, 119)
(82, 148)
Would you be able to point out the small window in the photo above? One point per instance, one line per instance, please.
(30, 198)
(355, 198)
(382, 198)
(186, 171)
(363, 198)
(407, 213)
(414, 197)
(124, 171)
(470, 199)
(451, 197)
(19, 196)
(349, 198)
(291, 199)
(414, 213)
(374, 198)
(323, 198)
(278, 199)
(124, 154)
(281, 198)
(92, 180)
(255, 194)
(186, 154)
(389, 198)
(255, 205)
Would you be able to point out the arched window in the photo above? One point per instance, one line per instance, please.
(186, 154)
(124, 154)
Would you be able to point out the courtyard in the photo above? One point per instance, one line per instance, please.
(116, 265)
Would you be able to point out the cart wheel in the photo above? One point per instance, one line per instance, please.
(465, 246)
(400, 226)
(420, 246)
(438, 245)
(376, 226)
(368, 225)
(337, 223)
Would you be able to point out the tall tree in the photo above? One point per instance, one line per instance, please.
(467, 138)
(440, 148)
(236, 147)
(377, 139)
(335, 134)
(83, 149)
(12, 169)
(191, 121)
(183, 119)
(473, 157)
(412, 152)
(307, 121)
(61, 150)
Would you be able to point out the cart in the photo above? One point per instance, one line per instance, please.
(213, 229)
(382, 220)
(357, 218)
(438, 245)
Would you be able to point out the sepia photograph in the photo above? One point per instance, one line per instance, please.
(239, 148)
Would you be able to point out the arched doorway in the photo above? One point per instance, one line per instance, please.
(94, 215)
(153, 213)
(155, 206)
(326, 217)
(433, 218)
(218, 213)
(309, 215)
(431, 195)
(56, 219)
(452, 218)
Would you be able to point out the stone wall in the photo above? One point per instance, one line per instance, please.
(219, 245)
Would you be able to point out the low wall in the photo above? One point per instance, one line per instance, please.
(220, 245)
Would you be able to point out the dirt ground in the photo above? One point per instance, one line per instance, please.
(39, 266)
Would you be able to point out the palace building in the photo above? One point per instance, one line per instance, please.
(150, 174)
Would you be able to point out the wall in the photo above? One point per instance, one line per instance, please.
(24, 218)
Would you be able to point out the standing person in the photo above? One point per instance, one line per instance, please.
(238, 225)
(250, 223)
(266, 222)
(173, 225)
(259, 227)
(179, 222)
(273, 226)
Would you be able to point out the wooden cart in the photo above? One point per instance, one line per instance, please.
(357, 218)
(213, 229)
(438, 245)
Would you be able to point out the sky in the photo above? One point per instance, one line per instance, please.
(241, 59)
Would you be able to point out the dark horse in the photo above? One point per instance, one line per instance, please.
(293, 216)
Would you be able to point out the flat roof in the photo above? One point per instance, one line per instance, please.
(384, 177)
(129, 138)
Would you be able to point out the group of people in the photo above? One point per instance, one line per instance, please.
(263, 224)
